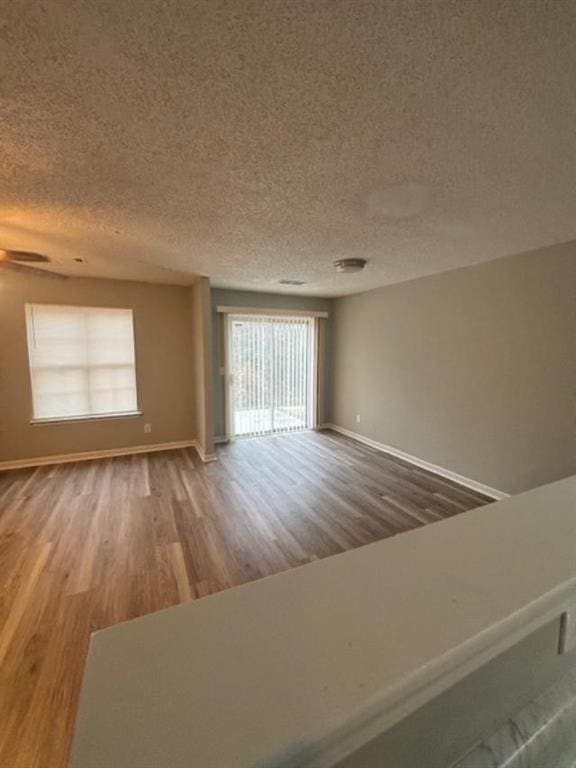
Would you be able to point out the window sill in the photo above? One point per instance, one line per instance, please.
(95, 417)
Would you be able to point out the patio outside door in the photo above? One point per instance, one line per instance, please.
(271, 374)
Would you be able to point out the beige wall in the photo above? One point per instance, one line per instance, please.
(163, 338)
(202, 325)
(230, 298)
(473, 370)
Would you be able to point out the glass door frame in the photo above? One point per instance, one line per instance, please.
(233, 314)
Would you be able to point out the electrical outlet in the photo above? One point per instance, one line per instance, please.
(357, 418)
(567, 638)
(147, 427)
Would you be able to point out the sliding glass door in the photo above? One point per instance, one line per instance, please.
(271, 374)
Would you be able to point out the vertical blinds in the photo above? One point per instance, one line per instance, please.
(82, 361)
(272, 374)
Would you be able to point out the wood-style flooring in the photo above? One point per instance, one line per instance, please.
(87, 545)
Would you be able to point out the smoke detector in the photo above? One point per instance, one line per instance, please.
(349, 265)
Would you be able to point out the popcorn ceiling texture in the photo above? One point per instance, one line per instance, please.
(257, 141)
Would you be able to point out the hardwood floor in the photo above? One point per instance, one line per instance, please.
(87, 545)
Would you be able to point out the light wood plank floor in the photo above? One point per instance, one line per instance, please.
(87, 545)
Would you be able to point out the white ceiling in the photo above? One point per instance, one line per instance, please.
(256, 141)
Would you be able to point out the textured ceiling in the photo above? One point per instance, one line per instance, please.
(256, 141)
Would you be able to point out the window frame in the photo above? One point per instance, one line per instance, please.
(39, 421)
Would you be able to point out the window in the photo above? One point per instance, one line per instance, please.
(81, 361)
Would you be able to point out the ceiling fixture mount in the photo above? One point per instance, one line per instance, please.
(349, 265)
(291, 282)
(25, 256)
(20, 261)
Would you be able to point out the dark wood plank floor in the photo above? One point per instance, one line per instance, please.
(86, 545)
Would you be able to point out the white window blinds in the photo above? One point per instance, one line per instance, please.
(81, 361)
(271, 361)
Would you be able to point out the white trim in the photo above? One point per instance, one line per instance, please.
(86, 417)
(270, 312)
(66, 458)
(221, 439)
(474, 485)
(207, 458)
(439, 675)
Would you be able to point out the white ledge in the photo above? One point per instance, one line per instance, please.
(86, 417)
(305, 667)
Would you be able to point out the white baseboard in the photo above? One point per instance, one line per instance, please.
(206, 457)
(221, 439)
(66, 458)
(437, 470)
